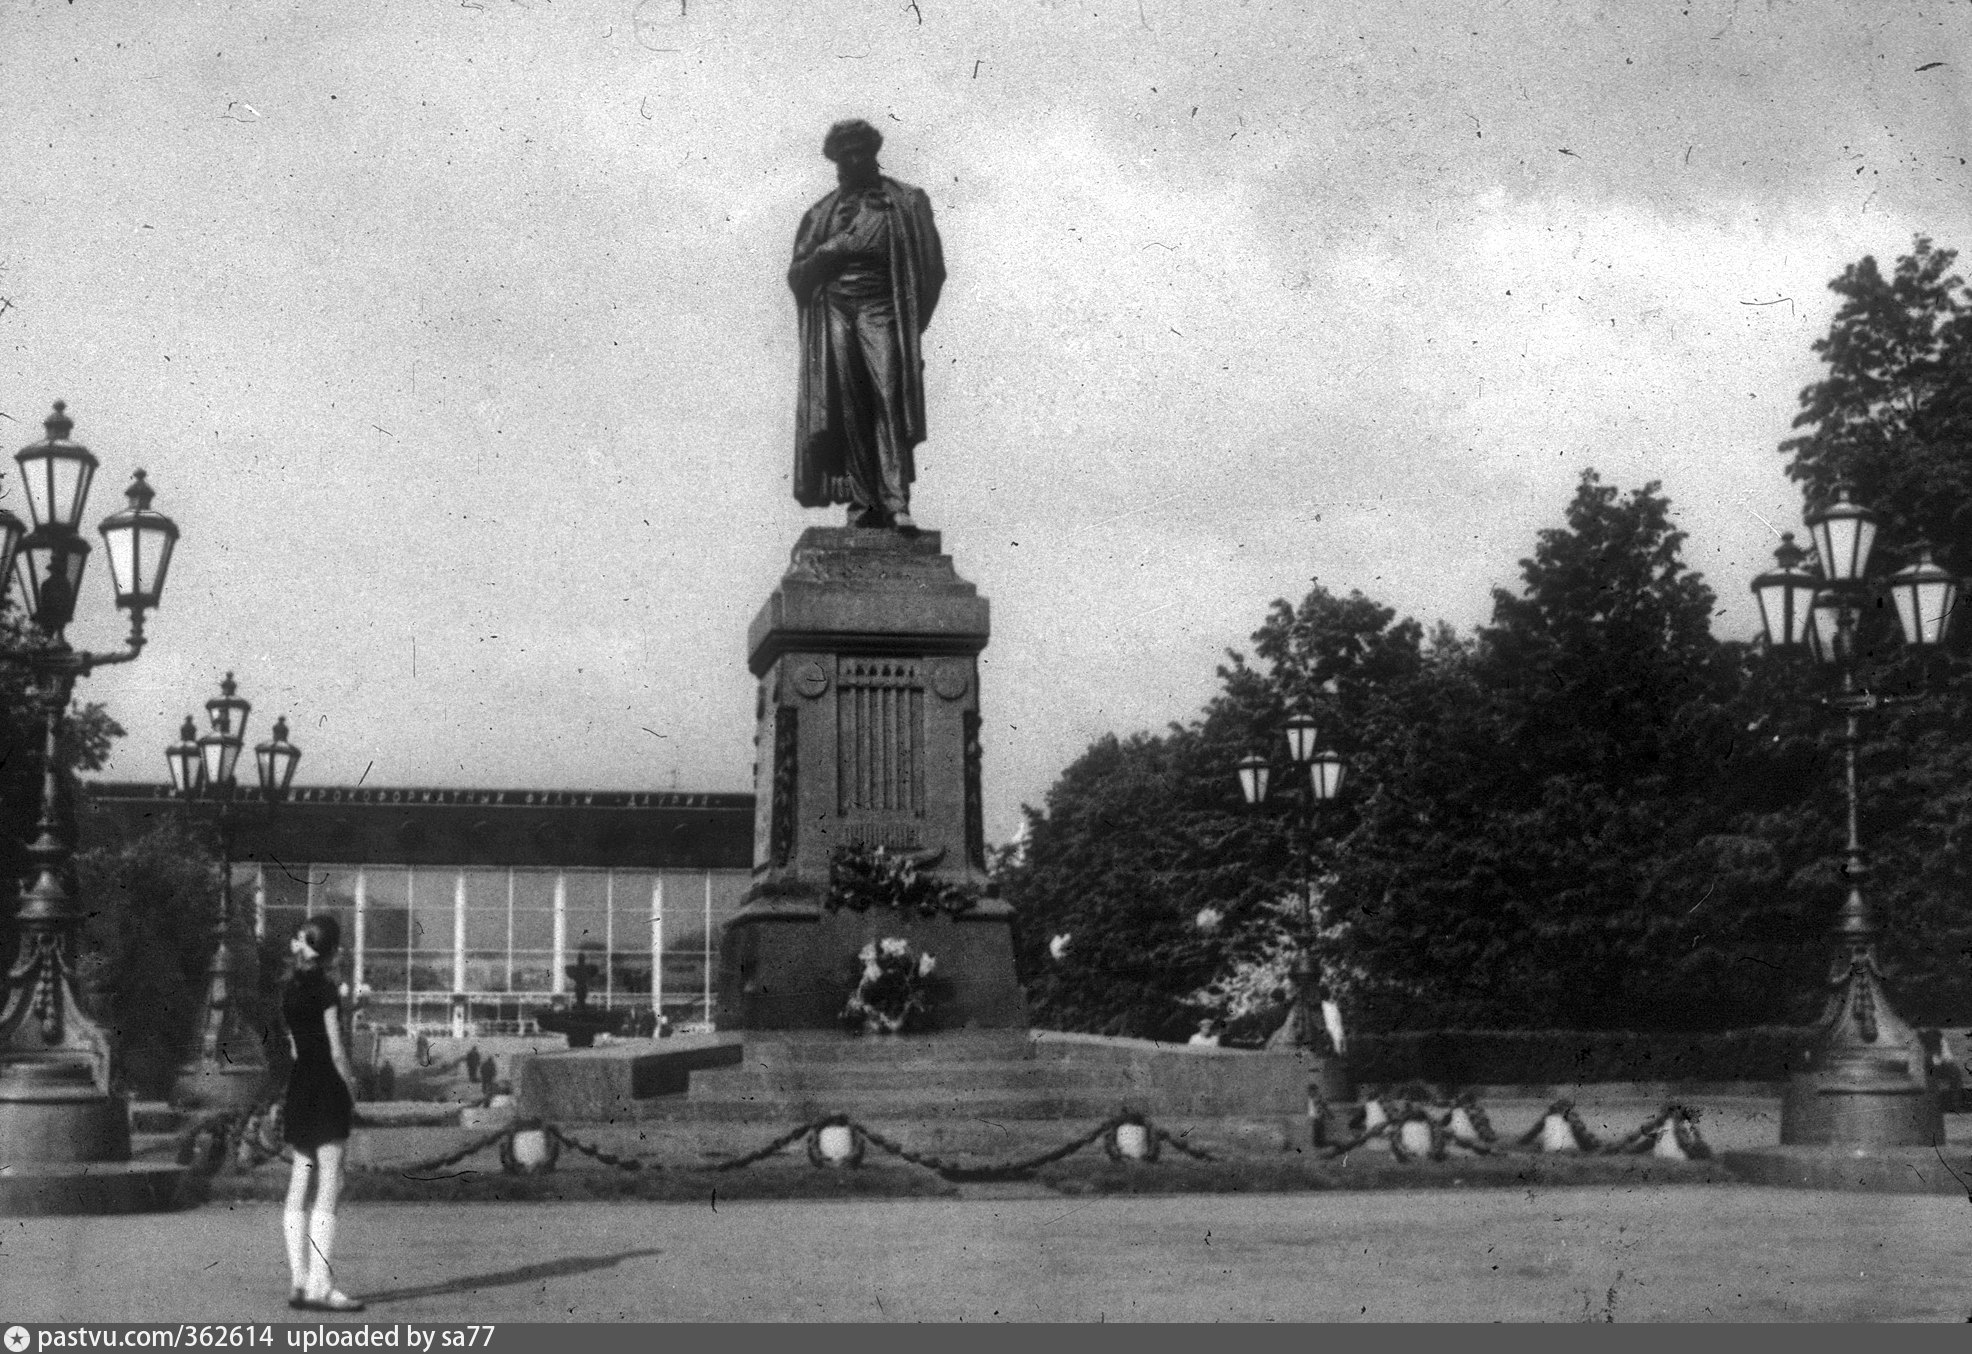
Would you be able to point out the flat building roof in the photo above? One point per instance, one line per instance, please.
(356, 825)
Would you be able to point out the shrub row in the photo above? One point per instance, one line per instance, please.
(1547, 1057)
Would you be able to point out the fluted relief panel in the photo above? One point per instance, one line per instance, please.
(880, 739)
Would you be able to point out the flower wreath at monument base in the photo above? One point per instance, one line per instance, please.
(893, 987)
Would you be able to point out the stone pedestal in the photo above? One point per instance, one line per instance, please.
(868, 736)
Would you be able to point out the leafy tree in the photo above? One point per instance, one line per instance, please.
(1590, 813)
(1563, 820)
(147, 941)
(1543, 820)
(1141, 836)
(1891, 416)
(1252, 990)
(1607, 653)
(1137, 837)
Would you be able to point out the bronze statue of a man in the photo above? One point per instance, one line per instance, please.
(866, 275)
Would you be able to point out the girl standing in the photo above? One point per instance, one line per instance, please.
(321, 1101)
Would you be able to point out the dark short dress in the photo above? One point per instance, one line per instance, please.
(318, 1108)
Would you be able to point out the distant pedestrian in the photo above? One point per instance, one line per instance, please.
(321, 1103)
(472, 1063)
(1208, 1035)
(489, 1076)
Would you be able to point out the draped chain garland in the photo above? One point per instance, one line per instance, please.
(1411, 1130)
(1430, 1130)
(204, 1147)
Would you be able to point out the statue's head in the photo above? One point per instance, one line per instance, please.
(853, 146)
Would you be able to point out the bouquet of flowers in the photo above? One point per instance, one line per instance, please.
(894, 988)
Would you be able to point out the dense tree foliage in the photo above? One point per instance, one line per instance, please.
(1891, 416)
(1548, 829)
(1140, 835)
(1589, 813)
(1143, 835)
(146, 942)
(1550, 822)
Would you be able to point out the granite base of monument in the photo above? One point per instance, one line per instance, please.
(793, 966)
(869, 751)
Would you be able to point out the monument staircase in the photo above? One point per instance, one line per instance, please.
(949, 1086)
(791, 1075)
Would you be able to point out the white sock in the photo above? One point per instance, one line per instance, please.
(321, 1243)
(294, 1226)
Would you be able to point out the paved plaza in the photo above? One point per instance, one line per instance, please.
(1637, 1253)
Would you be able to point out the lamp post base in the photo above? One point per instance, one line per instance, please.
(90, 1188)
(65, 1145)
(1863, 1170)
(1864, 1084)
(51, 1112)
(1880, 1107)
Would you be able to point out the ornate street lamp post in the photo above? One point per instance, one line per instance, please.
(59, 1118)
(1303, 1028)
(228, 1069)
(1865, 1083)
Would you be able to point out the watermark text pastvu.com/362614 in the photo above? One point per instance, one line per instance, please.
(415, 1339)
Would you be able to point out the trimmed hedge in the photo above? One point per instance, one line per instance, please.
(1550, 1057)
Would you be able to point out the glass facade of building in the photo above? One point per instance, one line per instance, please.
(429, 947)
(464, 909)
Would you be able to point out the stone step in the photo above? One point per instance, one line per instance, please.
(155, 1116)
(154, 1146)
(809, 1047)
(816, 1080)
(901, 1105)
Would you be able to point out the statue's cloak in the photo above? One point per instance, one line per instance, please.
(917, 275)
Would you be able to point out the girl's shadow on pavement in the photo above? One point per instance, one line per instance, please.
(547, 1269)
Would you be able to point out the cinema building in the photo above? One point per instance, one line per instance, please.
(462, 910)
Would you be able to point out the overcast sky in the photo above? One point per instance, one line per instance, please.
(455, 337)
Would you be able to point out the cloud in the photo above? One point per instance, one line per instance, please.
(1242, 297)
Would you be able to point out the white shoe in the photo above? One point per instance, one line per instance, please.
(334, 1300)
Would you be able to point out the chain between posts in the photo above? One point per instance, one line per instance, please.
(244, 1138)
(1165, 1135)
(1478, 1137)
(953, 1171)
